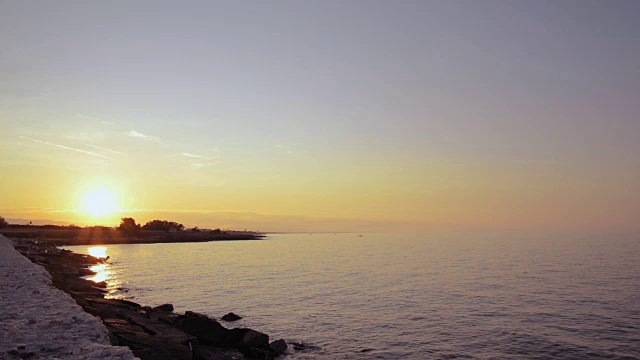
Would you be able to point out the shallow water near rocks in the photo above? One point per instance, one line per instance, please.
(404, 296)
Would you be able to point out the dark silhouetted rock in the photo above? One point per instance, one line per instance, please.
(164, 307)
(279, 346)
(201, 352)
(257, 354)
(163, 316)
(247, 338)
(231, 317)
(195, 314)
(149, 347)
(208, 331)
(302, 347)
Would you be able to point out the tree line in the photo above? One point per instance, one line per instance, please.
(129, 225)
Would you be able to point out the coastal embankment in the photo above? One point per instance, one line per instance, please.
(100, 235)
(38, 321)
(151, 333)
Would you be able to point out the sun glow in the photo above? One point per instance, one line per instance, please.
(99, 202)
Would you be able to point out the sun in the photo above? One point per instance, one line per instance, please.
(100, 202)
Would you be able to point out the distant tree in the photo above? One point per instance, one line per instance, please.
(216, 231)
(195, 229)
(3, 222)
(129, 226)
(162, 225)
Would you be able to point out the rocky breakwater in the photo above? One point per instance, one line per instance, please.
(151, 333)
(38, 321)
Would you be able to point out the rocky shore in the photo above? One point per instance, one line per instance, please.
(38, 321)
(151, 333)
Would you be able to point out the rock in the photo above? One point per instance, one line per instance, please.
(258, 354)
(195, 314)
(109, 321)
(101, 284)
(231, 317)
(110, 308)
(247, 338)
(208, 331)
(161, 329)
(164, 307)
(302, 347)
(201, 352)
(163, 316)
(278, 346)
(148, 347)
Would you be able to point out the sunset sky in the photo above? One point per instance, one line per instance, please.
(323, 115)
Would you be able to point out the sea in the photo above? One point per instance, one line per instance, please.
(394, 296)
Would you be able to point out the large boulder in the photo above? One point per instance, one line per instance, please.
(278, 346)
(247, 338)
(208, 331)
(164, 307)
(148, 347)
(201, 352)
(231, 317)
(257, 354)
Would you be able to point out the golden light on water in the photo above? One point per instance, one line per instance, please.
(99, 268)
(105, 273)
(102, 270)
(101, 276)
(98, 251)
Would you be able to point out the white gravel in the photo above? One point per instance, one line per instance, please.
(37, 318)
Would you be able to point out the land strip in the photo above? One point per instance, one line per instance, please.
(99, 235)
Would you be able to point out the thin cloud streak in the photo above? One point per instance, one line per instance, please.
(139, 135)
(105, 149)
(194, 156)
(65, 147)
(136, 134)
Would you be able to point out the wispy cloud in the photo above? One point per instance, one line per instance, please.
(193, 156)
(198, 161)
(102, 148)
(136, 134)
(64, 147)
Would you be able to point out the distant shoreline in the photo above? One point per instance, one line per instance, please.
(107, 236)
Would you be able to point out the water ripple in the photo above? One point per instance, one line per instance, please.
(384, 297)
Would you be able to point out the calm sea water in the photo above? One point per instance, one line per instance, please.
(404, 297)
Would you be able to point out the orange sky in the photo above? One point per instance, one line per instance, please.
(322, 117)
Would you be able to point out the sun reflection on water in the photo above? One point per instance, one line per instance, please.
(98, 251)
(104, 272)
